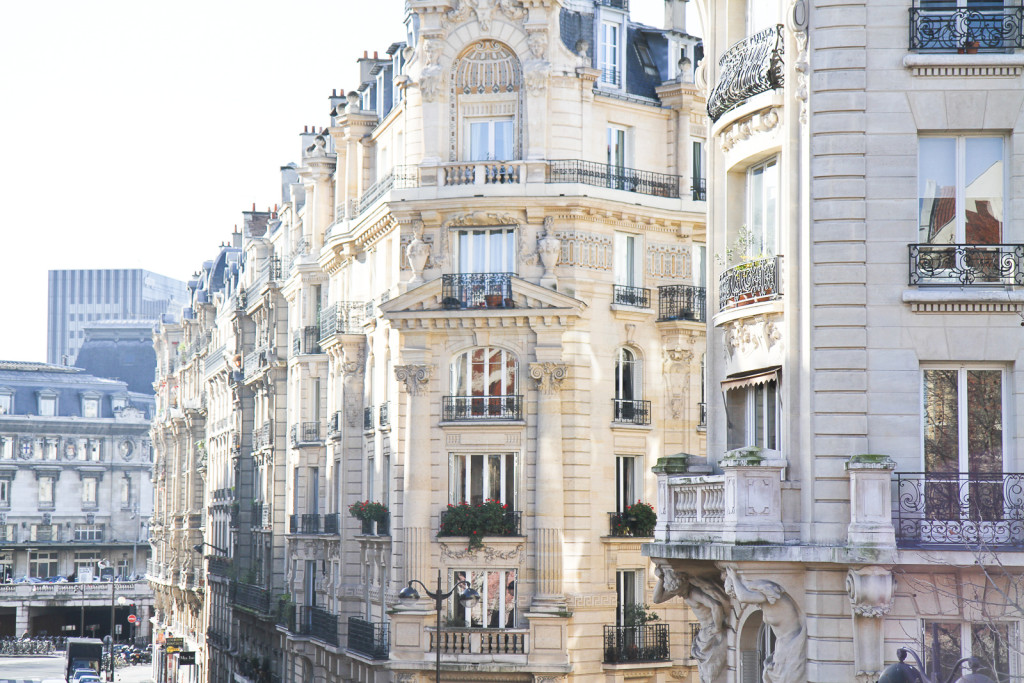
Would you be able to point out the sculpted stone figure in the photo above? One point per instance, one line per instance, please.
(708, 603)
(781, 614)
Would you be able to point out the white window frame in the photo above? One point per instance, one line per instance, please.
(45, 490)
(636, 386)
(90, 492)
(467, 255)
(628, 254)
(628, 481)
(610, 62)
(6, 401)
(49, 399)
(967, 640)
(629, 590)
(91, 405)
(963, 455)
(6, 486)
(491, 153)
(960, 184)
(48, 557)
(480, 580)
(763, 234)
(763, 413)
(461, 467)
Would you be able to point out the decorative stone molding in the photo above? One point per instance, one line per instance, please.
(761, 122)
(549, 249)
(549, 678)
(965, 66)
(870, 590)
(415, 377)
(549, 376)
(676, 368)
(668, 261)
(483, 218)
(781, 613)
(796, 20)
(484, 10)
(487, 554)
(870, 516)
(585, 249)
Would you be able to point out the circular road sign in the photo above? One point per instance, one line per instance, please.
(132, 618)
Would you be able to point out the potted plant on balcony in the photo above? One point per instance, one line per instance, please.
(640, 519)
(476, 521)
(368, 512)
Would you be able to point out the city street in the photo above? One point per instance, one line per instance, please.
(51, 670)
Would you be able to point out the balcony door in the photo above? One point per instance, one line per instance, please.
(487, 250)
(476, 478)
(491, 139)
(964, 497)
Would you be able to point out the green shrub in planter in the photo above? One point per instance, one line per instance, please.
(368, 511)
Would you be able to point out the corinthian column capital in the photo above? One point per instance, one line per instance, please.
(549, 376)
(415, 377)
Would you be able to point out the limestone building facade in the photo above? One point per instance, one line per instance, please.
(75, 502)
(483, 285)
(861, 488)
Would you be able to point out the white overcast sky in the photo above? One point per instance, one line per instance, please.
(133, 134)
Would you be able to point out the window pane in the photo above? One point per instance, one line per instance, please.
(478, 140)
(503, 140)
(759, 414)
(476, 479)
(771, 198)
(509, 492)
(991, 644)
(948, 637)
(496, 262)
(736, 419)
(983, 191)
(985, 443)
(493, 477)
(756, 199)
(771, 415)
(937, 190)
(941, 422)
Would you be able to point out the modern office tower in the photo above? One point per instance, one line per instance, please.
(862, 490)
(75, 503)
(79, 298)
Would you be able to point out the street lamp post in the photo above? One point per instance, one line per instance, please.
(901, 672)
(468, 596)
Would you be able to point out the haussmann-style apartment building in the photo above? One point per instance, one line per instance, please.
(862, 488)
(456, 349)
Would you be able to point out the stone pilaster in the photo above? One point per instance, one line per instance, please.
(416, 501)
(549, 511)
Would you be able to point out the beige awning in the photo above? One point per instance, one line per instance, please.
(740, 380)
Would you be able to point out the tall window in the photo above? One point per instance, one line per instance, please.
(313, 493)
(491, 139)
(90, 490)
(627, 488)
(5, 492)
(963, 440)
(616, 146)
(627, 587)
(752, 416)
(90, 406)
(763, 209)
(497, 606)
(6, 402)
(990, 641)
(482, 380)
(475, 478)
(487, 250)
(309, 584)
(610, 53)
(42, 564)
(628, 382)
(961, 183)
(45, 489)
(627, 265)
(47, 405)
(126, 492)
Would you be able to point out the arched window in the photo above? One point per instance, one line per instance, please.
(488, 104)
(629, 403)
(484, 385)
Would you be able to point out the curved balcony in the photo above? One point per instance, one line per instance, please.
(750, 67)
(750, 283)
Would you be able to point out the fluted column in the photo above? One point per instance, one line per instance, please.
(549, 507)
(417, 464)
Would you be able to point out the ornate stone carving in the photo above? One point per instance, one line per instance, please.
(549, 376)
(538, 42)
(406, 678)
(481, 218)
(676, 369)
(870, 590)
(431, 74)
(484, 10)
(710, 605)
(415, 377)
(585, 249)
(417, 252)
(796, 19)
(486, 553)
(763, 122)
(536, 78)
(549, 249)
(781, 614)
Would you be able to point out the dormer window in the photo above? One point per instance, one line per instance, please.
(47, 403)
(6, 401)
(90, 405)
(643, 51)
(610, 53)
(118, 403)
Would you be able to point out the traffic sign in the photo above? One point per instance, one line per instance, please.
(132, 618)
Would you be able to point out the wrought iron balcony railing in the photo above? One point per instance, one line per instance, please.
(335, 424)
(250, 597)
(305, 524)
(959, 509)
(306, 340)
(750, 67)
(623, 525)
(647, 643)
(468, 408)
(476, 290)
(511, 523)
(630, 411)
(400, 177)
(616, 177)
(311, 622)
(220, 566)
(682, 302)
(343, 317)
(332, 523)
(380, 527)
(967, 265)
(385, 418)
(751, 282)
(993, 26)
(625, 295)
(611, 75)
(699, 189)
(368, 419)
(368, 638)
